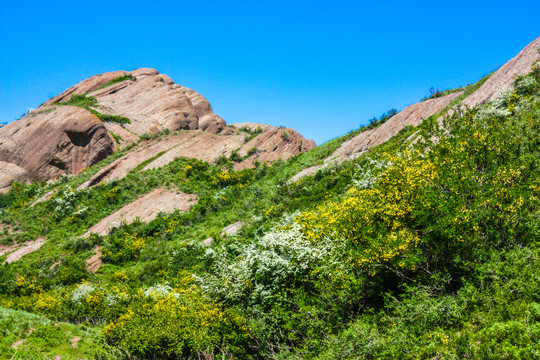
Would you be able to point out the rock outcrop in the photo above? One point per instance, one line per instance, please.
(152, 101)
(412, 115)
(10, 173)
(85, 86)
(52, 141)
(270, 144)
(17, 251)
(145, 209)
(503, 78)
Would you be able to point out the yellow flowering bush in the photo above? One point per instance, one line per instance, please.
(45, 303)
(375, 222)
(467, 191)
(123, 247)
(178, 326)
(227, 178)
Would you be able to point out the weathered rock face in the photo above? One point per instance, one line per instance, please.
(85, 86)
(153, 102)
(503, 78)
(10, 173)
(412, 115)
(52, 141)
(271, 144)
(146, 209)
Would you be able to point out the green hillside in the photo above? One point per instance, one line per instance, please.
(425, 247)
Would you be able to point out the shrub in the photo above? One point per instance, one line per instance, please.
(252, 133)
(120, 248)
(374, 122)
(181, 326)
(80, 100)
(262, 270)
(117, 80)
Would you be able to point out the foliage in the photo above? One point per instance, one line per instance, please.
(89, 103)
(80, 100)
(251, 133)
(122, 248)
(40, 337)
(117, 80)
(264, 268)
(375, 122)
(148, 136)
(436, 93)
(178, 325)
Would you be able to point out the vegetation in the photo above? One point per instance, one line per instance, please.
(376, 122)
(436, 93)
(118, 80)
(424, 247)
(89, 103)
(36, 336)
(251, 133)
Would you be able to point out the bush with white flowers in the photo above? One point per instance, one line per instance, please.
(263, 268)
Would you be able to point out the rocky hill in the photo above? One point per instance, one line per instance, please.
(91, 120)
(415, 237)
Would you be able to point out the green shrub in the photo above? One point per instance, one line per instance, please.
(179, 326)
(117, 80)
(90, 102)
(80, 100)
(122, 247)
(374, 122)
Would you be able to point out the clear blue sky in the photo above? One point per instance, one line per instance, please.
(320, 67)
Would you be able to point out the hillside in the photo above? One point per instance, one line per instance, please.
(414, 237)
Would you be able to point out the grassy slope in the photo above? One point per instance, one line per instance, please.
(419, 319)
(43, 337)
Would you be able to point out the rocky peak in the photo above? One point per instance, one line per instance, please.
(152, 102)
(116, 108)
(55, 140)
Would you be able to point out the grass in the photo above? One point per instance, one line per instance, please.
(43, 337)
(116, 137)
(88, 103)
(117, 80)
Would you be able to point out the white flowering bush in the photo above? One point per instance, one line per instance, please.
(526, 85)
(64, 202)
(497, 107)
(110, 300)
(81, 292)
(159, 291)
(366, 176)
(262, 269)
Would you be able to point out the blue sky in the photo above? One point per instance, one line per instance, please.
(320, 67)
